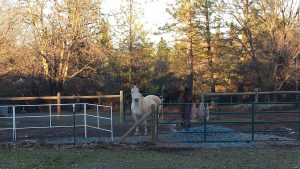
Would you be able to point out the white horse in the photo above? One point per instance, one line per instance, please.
(142, 105)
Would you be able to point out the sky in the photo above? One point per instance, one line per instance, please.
(155, 15)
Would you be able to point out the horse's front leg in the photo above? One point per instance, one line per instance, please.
(137, 127)
(145, 128)
(136, 131)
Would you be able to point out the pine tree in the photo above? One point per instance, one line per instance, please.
(183, 13)
(162, 64)
(131, 34)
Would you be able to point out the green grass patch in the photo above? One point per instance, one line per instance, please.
(99, 158)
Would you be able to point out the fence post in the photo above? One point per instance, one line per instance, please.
(298, 121)
(74, 124)
(98, 120)
(154, 124)
(14, 123)
(253, 122)
(298, 107)
(111, 124)
(122, 115)
(85, 127)
(58, 104)
(99, 99)
(205, 120)
(50, 114)
(256, 95)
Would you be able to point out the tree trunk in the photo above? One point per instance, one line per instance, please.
(240, 89)
(249, 39)
(209, 51)
(190, 76)
(130, 46)
(55, 86)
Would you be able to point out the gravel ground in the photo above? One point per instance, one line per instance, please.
(193, 138)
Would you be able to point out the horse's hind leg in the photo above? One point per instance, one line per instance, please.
(160, 114)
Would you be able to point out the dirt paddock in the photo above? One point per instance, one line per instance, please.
(281, 125)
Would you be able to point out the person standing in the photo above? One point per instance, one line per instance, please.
(187, 98)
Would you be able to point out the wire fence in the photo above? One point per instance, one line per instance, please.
(46, 116)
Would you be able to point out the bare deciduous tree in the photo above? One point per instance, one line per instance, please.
(64, 38)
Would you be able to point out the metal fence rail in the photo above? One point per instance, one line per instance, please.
(15, 118)
(252, 120)
(249, 97)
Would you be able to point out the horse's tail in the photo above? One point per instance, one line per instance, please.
(160, 109)
(156, 99)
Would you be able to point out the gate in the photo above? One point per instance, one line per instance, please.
(231, 122)
(27, 122)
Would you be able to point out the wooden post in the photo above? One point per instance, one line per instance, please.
(122, 115)
(154, 124)
(253, 113)
(122, 138)
(99, 99)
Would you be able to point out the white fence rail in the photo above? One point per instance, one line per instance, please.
(14, 126)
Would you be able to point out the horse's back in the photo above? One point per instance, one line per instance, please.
(156, 99)
(149, 100)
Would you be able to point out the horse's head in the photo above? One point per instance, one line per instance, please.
(135, 94)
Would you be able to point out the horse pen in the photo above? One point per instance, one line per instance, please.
(248, 123)
(86, 133)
